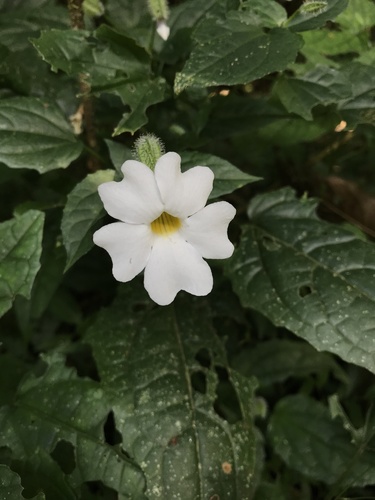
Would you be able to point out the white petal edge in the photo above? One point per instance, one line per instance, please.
(175, 265)
(135, 199)
(207, 230)
(128, 245)
(183, 194)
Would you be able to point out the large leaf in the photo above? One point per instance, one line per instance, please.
(21, 247)
(324, 291)
(305, 436)
(164, 399)
(59, 407)
(35, 134)
(231, 52)
(82, 210)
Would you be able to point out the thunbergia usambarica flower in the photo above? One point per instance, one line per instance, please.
(165, 229)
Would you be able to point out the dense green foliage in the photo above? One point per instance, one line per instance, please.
(265, 388)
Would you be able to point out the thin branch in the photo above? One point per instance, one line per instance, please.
(77, 21)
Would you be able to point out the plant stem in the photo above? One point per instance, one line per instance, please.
(77, 21)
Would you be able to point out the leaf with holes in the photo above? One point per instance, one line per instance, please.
(311, 442)
(165, 409)
(20, 252)
(82, 211)
(59, 407)
(325, 289)
(35, 134)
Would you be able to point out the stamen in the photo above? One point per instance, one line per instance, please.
(165, 224)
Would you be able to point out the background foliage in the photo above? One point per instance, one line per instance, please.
(264, 389)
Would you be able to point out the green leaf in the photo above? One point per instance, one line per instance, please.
(358, 16)
(277, 360)
(294, 129)
(351, 88)
(230, 115)
(360, 106)
(263, 13)
(118, 153)
(81, 213)
(101, 59)
(164, 408)
(309, 441)
(35, 134)
(228, 178)
(10, 484)
(231, 52)
(132, 18)
(21, 239)
(309, 21)
(138, 95)
(324, 291)
(321, 86)
(59, 407)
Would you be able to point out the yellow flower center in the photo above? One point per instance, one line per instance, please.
(165, 224)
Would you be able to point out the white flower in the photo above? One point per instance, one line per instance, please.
(163, 29)
(165, 227)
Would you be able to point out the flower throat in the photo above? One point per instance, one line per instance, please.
(165, 224)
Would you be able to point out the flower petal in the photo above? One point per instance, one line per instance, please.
(129, 246)
(175, 265)
(135, 199)
(183, 194)
(207, 230)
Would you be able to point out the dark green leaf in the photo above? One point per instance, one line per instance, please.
(83, 209)
(21, 239)
(168, 423)
(231, 52)
(58, 407)
(102, 60)
(227, 177)
(277, 360)
(35, 134)
(138, 95)
(308, 440)
(10, 484)
(119, 153)
(263, 13)
(321, 86)
(309, 21)
(324, 291)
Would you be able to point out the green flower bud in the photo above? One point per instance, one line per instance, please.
(93, 8)
(158, 9)
(148, 149)
(313, 7)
